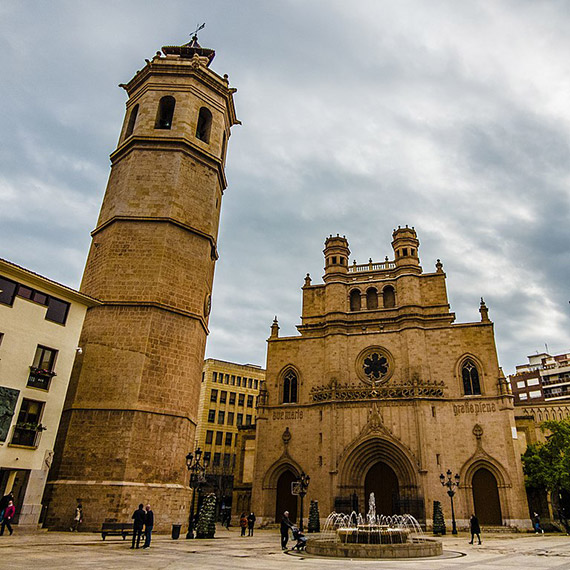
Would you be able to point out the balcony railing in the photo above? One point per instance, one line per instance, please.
(381, 266)
(27, 435)
(40, 378)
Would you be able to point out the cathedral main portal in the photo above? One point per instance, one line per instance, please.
(383, 482)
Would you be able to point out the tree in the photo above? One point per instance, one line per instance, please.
(206, 527)
(314, 519)
(547, 465)
(438, 520)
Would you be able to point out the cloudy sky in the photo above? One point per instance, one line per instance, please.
(453, 117)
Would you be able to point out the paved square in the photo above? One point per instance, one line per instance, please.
(229, 551)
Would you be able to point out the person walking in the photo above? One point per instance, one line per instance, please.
(4, 503)
(148, 524)
(243, 523)
(536, 523)
(138, 523)
(286, 524)
(9, 513)
(250, 524)
(77, 518)
(475, 528)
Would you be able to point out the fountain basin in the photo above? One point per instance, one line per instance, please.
(373, 534)
(411, 548)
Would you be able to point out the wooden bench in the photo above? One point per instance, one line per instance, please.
(116, 529)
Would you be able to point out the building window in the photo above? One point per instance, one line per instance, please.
(217, 459)
(230, 418)
(239, 420)
(204, 125)
(250, 382)
(470, 375)
(57, 311)
(233, 380)
(132, 121)
(211, 416)
(228, 438)
(248, 420)
(227, 379)
(41, 370)
(523, 396)
(250, 401)
(290, 387)
(255, 384)
(209, 436)
(7, 291)
(214, 376)
(214, 395)
(239, 380)
(221, 417)
(241, 399)
(389, 297)
(232, 398)
(355, 300)
(207, 456)
(223, 397)
(165, 112)
(28, 427)
(538, 393)
(219, 437)
(371, 298)
(227, 459)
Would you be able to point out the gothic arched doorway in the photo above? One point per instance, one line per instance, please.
(383, 482)
(284, 500)
(486, 498)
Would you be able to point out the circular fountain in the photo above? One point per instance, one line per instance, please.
(373, 536)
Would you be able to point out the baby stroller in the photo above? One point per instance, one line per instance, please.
(300, 538)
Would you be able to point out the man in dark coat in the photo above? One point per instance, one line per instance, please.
(286, 524)
(148, 524)
(475, 529)
(250, 524)
(138, 523)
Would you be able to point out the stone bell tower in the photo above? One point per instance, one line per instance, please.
(130, 415)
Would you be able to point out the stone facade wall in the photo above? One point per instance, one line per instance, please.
(418, 419)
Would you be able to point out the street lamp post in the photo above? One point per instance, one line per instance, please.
(451, 486)
(303, 481)
(197, 477)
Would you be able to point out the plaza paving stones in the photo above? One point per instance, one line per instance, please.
(229, 551)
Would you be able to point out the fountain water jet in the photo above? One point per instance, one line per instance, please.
(373, 536)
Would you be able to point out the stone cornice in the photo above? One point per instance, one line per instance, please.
(158, 220)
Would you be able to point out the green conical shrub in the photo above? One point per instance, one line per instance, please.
(206, 527)
(314, 520)
(438, 520)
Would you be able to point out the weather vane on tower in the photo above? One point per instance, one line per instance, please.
(194, 34)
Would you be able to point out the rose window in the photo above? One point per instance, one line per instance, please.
(375, 366)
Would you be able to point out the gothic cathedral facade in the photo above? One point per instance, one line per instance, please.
(383, 392)
(131, 410)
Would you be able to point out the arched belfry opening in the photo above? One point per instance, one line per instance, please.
(486, 498)
(165, 112)
(204, 125)
(284, 500)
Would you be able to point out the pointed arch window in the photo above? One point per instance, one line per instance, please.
(132, 121)
(204, 125)
(470, 376)
(165, 112)
(389, 297)
(355, 302)
(372, 298)
(290, 387)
